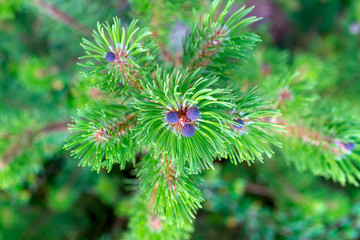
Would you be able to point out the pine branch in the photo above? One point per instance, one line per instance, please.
(119, 57)
(319, 137)
(218, 44)
(253, 133)
(103, 136)
(333, 151)
(208, 49)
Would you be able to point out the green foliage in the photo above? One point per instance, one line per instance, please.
(8, 8)
(15, 152)
(86, 92)
(24, 148)
(38, 74)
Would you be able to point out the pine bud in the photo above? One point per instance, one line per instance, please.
(240, 124)
(110, 56)
(193, 113)
(172, 117)
(188, 130)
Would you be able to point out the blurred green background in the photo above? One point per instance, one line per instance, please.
(45, 195)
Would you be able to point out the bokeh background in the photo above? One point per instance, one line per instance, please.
(45, 195)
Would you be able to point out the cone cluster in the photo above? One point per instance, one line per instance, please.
(184, 120)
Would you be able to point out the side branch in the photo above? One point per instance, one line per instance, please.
(25, 140)
(311, 137)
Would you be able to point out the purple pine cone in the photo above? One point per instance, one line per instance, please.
(172, 117)
(193, 113)
(188, 130)
(349, 146)
(110, 56)
(240, 124)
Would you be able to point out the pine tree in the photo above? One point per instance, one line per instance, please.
(178, 116)
(169, 114)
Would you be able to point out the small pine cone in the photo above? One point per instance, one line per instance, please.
(110, 57)
(172, 117)
(193, 113)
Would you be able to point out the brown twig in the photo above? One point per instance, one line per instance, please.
(166, 54)
(55, 127)
(60, 16)
(305, 134)
(16, 148)
(258, 190)
(155, 23)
